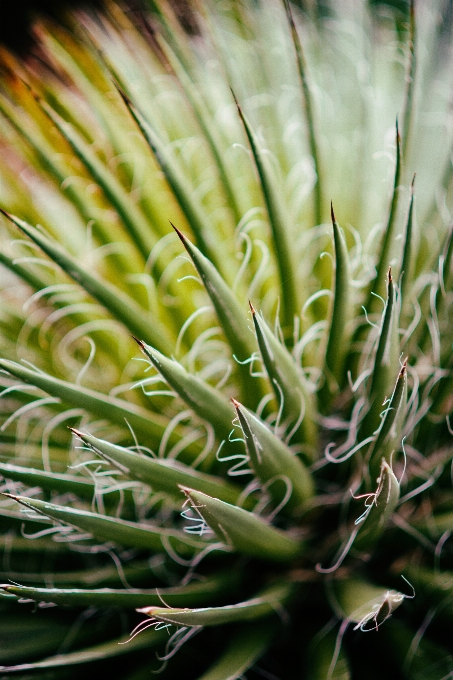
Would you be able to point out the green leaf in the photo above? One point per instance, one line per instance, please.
(190, 595)
(142, 422)
(208, 128)
(309, 115)
(379, 509)
(242, 531)
(407, 264)
(183, 193)
(160, 474)
(425, 661)
(384, 252)
(267, 602)
(272, 460)
(385, 363)
(49, 480)
(120, 531)
(25, 637)
(122, 307)
(278, 221)
(388, 437)
(247, 644)
(207, 402)
(231, 318)
(438, 523)
(106, 650)
(29, 277)
(133, 219)
(289, 385)
(52, 163)
(337, 338)
(437, 586)
(409, 106)
(364, 603)
(324, 660)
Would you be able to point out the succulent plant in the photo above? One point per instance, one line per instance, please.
(226, 344)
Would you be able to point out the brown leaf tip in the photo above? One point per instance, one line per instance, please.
(332, 214)
(140, 343)
(180, 234)
(76, 432)
(6, 214)
(403, 368)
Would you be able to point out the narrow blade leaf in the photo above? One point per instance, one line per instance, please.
(122, 307)
(243, 531)
(190, 595)
(231, 318)
(160, 474)
(288, 384)
(204, 400)
(272, 460)
(336, 343)
(246, 646)
(269, 601)
(279, 227)
(106, 528)
(380, 509)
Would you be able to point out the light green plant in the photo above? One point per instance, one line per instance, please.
(226, 401)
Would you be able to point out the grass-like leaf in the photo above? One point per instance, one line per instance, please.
(243, 531)
(267, 602)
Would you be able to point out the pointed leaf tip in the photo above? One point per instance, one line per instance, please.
(332, 214)
(6, 214)
(122, 93)
(252, 308)
(140, 343)
(180, 234)
(236, 101)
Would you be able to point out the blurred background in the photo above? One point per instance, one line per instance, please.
(16, 18)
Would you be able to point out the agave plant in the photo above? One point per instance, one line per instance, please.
(225, 443)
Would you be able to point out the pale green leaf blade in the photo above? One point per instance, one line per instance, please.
(61, 483)
(309, 115)
(384, 251)
(190, 595)
(120, 305)
(231, 317)
(388, 437)
(272, 460)
(379, 510)
(364, 603)
(160, 474)
(385, 362)
(207, 402)
(143, 422)
(106, 650)
(243, 531)
(288, 384)
(133, 219)
(246, 646)
(267, 602)
(409, 107)
(279, 222)
(120, 531)
(337, 333)
(178, 183)
(407, 263)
